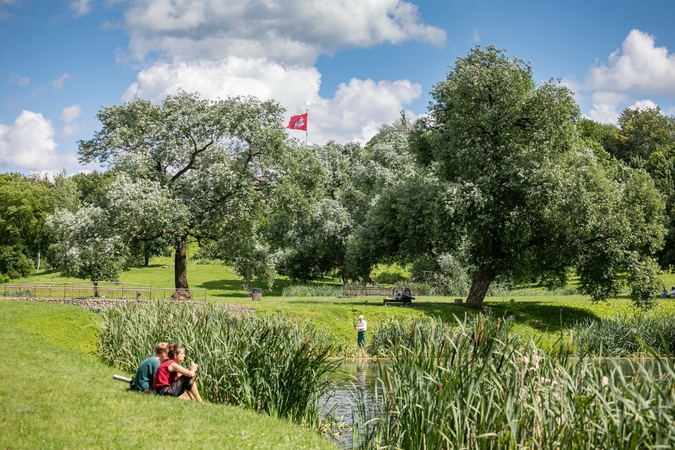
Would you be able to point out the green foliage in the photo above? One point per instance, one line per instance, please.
(25, 204)
(190, 166)
(85, 245)
(14, 263)
(407, 332)
(268, 364)
(390, 274)
(312, 290)
(626, 335)
(642, 132)
(481, 390)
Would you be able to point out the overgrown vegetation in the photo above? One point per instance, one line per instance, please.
(312, 290)
(629, 335)
(268, 364)
(482, 389)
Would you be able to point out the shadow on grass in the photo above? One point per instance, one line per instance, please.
(541, 316)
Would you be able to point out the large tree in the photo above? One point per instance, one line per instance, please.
(24, 204)
(203, 164)
(523, 193)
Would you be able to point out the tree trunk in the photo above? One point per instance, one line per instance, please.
(146, 258)
(345, 275)
(38, 261)
(479, 286)
(180, 269)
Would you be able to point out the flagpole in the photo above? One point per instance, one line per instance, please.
(306, 125)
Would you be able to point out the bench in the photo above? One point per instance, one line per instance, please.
(399, 299)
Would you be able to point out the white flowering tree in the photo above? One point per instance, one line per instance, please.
(188, 167)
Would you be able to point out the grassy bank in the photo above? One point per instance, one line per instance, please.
(54, 394)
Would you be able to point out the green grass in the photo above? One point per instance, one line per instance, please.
(537, 317)
(54, 394)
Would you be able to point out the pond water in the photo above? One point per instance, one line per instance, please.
(353, 377)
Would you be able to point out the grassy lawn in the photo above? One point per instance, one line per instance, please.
(54, 394)
(537, 317)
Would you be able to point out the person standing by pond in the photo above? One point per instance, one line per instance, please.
(361, 327)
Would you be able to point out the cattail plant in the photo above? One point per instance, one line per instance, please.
(269, 364)
(479, 388)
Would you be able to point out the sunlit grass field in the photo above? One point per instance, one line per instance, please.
(55, 394)
(537, 317)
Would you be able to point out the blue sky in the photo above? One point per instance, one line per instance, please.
(353, 63)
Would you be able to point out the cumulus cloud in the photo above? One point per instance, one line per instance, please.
(80, 7)
(643, 104)
(290, 31)
(59, 82)
(228, 77)
(15, 78)
(639, 66)
(358, 109)
(28, 143)
(71, 113)
(268, 49)
(605, 106)
(355, 112)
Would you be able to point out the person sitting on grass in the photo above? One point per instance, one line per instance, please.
(146, 371)
(173, 379)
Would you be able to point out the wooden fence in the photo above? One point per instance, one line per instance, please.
(103, 291)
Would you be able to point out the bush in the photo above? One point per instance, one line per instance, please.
(312, 290)
(14, 263)
(390, 274)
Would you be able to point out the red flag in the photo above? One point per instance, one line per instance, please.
(298, 122)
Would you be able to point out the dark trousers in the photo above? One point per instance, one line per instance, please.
(361, 340)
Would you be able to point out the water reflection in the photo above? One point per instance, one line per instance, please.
(354, 380)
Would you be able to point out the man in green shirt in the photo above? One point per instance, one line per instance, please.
(146, 371)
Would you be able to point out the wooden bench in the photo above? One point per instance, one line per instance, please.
(406, 302)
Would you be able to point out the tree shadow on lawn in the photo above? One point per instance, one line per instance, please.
(235, 288)
(538, 315)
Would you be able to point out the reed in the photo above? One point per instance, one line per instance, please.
(481, 389)
(626, 335)
(269, 364)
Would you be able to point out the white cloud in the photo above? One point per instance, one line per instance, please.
(268, 48)
(605, 106)
(358, 109)
(290, 31)
(475, 37)
(58, 83)
(80, 7)
(355, 112)
(71, 113)
(228, 77)
(638, 67)
(15, 78)
(643, 104)
(28, 143)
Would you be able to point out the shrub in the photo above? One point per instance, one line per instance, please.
(312, 290)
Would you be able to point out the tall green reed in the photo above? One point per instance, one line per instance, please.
(625, 335)
(269, 364)
(480, 389)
